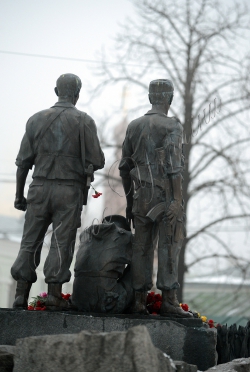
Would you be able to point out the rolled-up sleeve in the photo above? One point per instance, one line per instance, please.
(126, 163)
(26, 156)
(90, 145)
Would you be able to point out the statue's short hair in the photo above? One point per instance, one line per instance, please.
(159, 90)
(68, 85)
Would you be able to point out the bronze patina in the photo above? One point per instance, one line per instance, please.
(62, 144)
(151, 171)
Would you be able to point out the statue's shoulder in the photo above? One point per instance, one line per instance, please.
(176, 120)
(135, 124)
(175, 124)
(86, 118)
(42, 113)
(38, 117)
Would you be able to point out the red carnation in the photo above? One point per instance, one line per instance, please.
(185, 307)
(150, 297)
(157, 306)
(154, 313)
(38, 304)
(38, 308)
(66, 296)
(96, 194)
(211, 323)
(30, 307)
(158, 297)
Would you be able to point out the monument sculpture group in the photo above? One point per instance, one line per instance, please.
(113, 270)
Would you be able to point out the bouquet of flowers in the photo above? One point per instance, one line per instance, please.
(39, 301)
(154, 301)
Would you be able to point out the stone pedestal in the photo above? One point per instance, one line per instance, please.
(183, 339)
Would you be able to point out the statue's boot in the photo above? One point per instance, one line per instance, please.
(170, 305)
(22, 294)
(54, 300)
(139, 303)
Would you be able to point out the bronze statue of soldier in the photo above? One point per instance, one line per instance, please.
(62, 144)
(151, 171)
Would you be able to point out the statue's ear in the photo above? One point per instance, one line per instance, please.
(77, 92)
(56, 91)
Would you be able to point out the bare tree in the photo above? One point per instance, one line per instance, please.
(202, 47)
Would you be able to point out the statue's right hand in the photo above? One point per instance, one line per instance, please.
(20, 204)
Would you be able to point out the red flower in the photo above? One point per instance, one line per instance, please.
(154, 313)
(38, 304)
(211, 323)
(157, 306)
(66, 296)
(150, 297)
(43, 308)
(30, 307)
(185, 307)
(96, 194)
(158, 297)
(38, 308)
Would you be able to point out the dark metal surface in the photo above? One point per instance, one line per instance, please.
(61, 143)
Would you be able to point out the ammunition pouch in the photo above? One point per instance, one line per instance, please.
(180, 228)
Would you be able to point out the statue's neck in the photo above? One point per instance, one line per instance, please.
(67, 99)
(160, 108)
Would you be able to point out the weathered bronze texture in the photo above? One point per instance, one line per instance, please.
(102, 281)
(61, 142)
(151, 171)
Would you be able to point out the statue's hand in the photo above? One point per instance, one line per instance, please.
(130, 216)
(21, 204)
(173, 211)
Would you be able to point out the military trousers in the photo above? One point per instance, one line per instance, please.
(147, 233)
(49, 201)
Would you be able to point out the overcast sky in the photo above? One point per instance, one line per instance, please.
(73, 29)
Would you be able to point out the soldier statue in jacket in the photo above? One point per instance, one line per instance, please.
(62, 144)
(151, 170)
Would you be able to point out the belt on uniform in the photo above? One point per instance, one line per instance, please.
(61, 182)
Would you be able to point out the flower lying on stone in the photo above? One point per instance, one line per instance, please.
(211, 323)
(65, 296)
(38, 303)
(154, 301)
(204, 318)
(184, 307)
(43, 294)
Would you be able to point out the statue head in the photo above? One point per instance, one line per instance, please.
(68, 87)
(161, 91)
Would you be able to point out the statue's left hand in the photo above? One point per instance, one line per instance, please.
(21, 204)
(173, 211)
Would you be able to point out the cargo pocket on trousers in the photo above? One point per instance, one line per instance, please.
(179, 232)
(36, 192)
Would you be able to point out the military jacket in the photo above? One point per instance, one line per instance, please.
(152, 149)
(63, 149)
